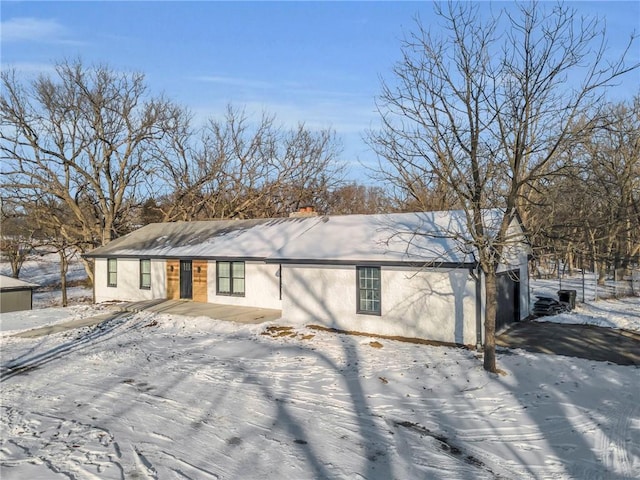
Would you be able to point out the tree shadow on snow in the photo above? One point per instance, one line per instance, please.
(84, 338)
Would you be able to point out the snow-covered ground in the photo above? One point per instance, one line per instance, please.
(157, 396)
(621, 313)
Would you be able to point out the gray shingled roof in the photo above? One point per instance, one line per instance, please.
(424, 237)
(10, 283)
(250, 239)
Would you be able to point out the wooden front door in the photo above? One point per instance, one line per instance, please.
(186, 279)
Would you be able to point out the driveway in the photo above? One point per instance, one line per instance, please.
(583, 341)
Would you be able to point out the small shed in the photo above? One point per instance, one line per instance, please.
(15, 294)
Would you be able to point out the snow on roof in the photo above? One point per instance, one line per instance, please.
(213, 238)
(9, 283)
(438, 237)
(434, 237)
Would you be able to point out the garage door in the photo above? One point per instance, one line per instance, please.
(508, 284)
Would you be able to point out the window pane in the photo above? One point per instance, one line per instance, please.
(238, 269)
(112, 272)
(238, 285)
(224, 285)
(145, 273)
(224, 269)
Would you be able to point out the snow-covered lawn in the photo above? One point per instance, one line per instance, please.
(622, 313)
(157, 396)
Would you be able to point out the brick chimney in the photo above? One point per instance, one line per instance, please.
(306, 211)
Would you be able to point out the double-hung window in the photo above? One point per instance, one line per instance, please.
(145, 274)
(230, 278)
(368, 286)
(112, 272)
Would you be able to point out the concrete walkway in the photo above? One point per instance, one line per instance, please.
(583, 341)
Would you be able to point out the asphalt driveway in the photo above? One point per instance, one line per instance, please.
(583, 341)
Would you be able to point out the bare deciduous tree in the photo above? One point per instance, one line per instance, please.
(354, 198)
(484, 108)
(612, 174)
(236, 168)
(16, 234)
(80, 139)
(592, 210)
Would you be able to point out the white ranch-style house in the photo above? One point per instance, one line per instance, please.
(405, 274)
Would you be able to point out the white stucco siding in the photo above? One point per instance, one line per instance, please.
(262, 286)
(431, 304)
(128, 281)
(437, 305)
(320, 294)
(158, 279)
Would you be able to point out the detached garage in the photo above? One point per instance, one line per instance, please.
(15, 294)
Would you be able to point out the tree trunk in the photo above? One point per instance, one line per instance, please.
(89, 268)
(16, 258)
(64, 266)
(106, 230)
(602, 272)
(570, 260)
(15, 268)
(490, 322)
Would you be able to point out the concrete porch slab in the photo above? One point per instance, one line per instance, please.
(216, 311)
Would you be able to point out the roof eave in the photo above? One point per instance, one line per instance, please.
(372, 262)
(176, 257)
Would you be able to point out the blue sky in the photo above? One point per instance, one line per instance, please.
(317, 63)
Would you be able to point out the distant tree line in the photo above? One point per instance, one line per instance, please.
(587, 216)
